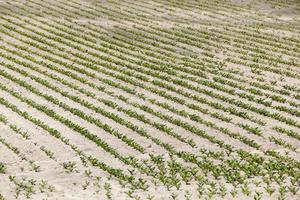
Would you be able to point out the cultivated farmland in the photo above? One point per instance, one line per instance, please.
(149, 99)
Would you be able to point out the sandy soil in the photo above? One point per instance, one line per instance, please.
(62, 48)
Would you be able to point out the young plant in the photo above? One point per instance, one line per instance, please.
(2, 168)
(69, 166)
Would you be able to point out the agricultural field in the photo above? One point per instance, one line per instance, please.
(149, 99)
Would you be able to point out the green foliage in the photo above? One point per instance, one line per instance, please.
(2, 168)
